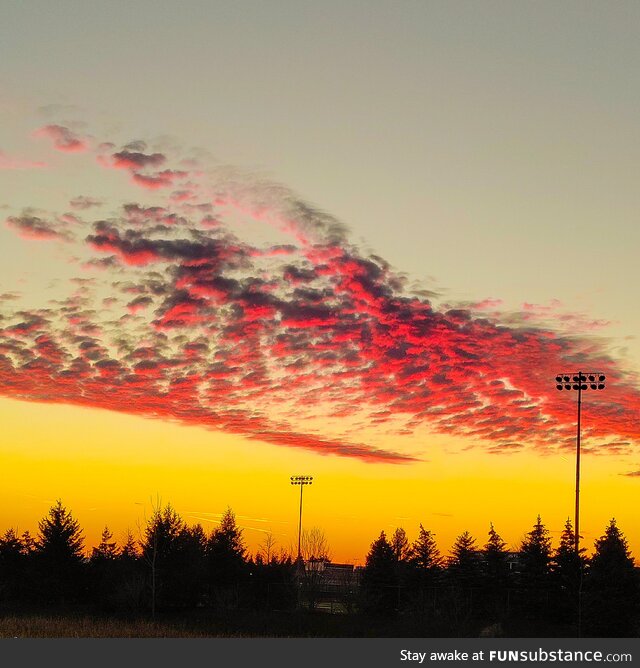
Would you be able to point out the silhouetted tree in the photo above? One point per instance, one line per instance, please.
(12, 566)
(495, 553)
(102, 569)
(568, 571)
(58, 553)
(28, 543)
(379, 578)
(464, 561)
(426, 570)
(129, 591)
(463, 571)
(267, 551)
(400, 545)
(107, 549)
(159, 549)
(611, 587)
(226, 561)
(404, 569)
(129, 550)
(496, 575)
(189, 566)
(535, 557)
(425, 555)
(315, 555)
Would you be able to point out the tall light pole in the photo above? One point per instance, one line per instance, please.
(301, 480)
(579, 382)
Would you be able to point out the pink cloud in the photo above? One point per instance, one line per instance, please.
(63, 138)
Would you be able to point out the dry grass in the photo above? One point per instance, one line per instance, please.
(36, 626)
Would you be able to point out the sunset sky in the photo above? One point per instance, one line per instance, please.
(244, 241)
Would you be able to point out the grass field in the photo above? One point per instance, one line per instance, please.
(75, 623)
(37, 626)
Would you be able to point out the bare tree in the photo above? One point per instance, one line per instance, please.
(314, 545)
(315, 553)
(267, 547)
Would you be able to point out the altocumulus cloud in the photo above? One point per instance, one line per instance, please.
(299, 340)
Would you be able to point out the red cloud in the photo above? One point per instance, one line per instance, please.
(258, 339)
(63, 138)
(158, 180)
(135, 160)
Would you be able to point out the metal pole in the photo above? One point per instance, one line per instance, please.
(579, 611)
(300, 524)
(577, 541)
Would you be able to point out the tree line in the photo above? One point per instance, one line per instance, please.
(536, 585)
(171, 565)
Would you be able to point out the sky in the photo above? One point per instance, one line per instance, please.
(351, 240)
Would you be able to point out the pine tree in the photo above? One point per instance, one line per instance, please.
(567, 566)
(379, 578)
(535, 553)
(28, 543)
(611, 586)
(464, 561)
(158, 551)
(495, 597)
(129, 550)
(12, 565)
(400, 545)
(226, 559)
(58, 551)
(495, 552)
(535, 568)
(567, 569)
(107, 549)
(425, 555)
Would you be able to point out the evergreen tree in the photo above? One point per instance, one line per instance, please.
(611, 586)
(463, 567)
(379, 578)
(495, 595)
(58, 552)
(12, 565)
(495, 552)
(107, 549)
(535, 568)
(159, 547)
(425, 555)
(464, 558)
(568, 569)
(132, 581)
(400, 545)
(28, 544)
(567, 565)
(103, 570)
(227, 562)
(535, 554)
(129, 550)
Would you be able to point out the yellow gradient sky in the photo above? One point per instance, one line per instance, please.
(110, 468)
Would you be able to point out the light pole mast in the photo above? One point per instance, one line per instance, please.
(579, 382)
(301, 480)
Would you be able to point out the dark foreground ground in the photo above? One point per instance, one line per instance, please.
(61, 622)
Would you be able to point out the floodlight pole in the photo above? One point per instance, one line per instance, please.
(579, 381)
(577, 536)
(300, 480)
(300, 522)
